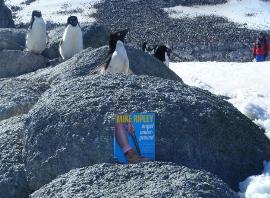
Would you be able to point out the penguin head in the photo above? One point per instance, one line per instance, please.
(117, 36)
(72, 20)
(36, 13)
(160, 52)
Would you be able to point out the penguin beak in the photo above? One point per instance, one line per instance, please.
(124, 32)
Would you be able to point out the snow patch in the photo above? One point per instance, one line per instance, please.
(253, 14)
(247, 87)
(257, 186)
(56, 11)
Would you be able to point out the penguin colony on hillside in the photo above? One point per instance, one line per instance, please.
(72, 43)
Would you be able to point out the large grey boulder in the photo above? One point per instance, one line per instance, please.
(12, 39)
(13, 183)
(18, 96)
(87, 61)
(72, 126)
(15, 63)
(94, 35)
(140, 180)
(54, 38)
(6, 20)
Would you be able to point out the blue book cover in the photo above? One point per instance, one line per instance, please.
(134, 133)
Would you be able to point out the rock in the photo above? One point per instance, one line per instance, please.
(12, 39)
(141, 180)
(18, 96)
(54, 38)
(94, 35)
(13, 183)
(72, 126)
(14, 63)
(6, 20)
(85, 62)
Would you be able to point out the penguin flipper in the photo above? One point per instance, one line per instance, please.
(61, 42)
(47, 38)
(108, 60)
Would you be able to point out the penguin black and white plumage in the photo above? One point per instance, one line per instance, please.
(117, 61)
(72, 41)
(162, 53)
(148, 48)
(36, 38)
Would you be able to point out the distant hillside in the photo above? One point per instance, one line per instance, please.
(204, 38)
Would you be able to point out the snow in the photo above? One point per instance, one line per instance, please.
(247, 87)
(253, 14)
(257, 186)
(56, 11)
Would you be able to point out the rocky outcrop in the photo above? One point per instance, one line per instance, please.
(13, 183)
(54, 38)
(15, 63)
(87, 61)
(72, 125)
(12, 39)
(141, 180)
(6, 20)
(94, 35)
(18, 96)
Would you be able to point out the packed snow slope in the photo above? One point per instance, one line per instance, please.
(55, 11)
(247, 87)
(253, 14)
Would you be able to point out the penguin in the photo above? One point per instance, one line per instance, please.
(117, 61)
(36, 37)
(72, 41)
(150, 49)
(162, 53)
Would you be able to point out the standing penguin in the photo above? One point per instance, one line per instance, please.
(36, 38)
(72, 41)
(117, 61)
(163, 53)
